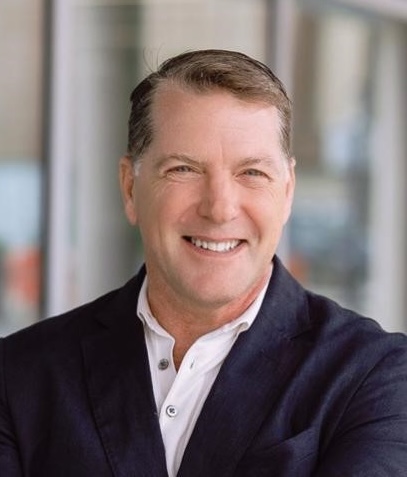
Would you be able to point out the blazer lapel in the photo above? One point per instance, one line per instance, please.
(251, 379)
(120, 389)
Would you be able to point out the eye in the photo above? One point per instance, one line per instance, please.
(180, 169)
(254, 173)
(181, 172)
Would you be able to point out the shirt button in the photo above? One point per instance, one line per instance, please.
(171, 411)
(163, 364)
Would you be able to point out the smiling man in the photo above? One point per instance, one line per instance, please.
(213, 360)
(211, 195)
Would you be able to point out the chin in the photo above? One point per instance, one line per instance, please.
(216, 298)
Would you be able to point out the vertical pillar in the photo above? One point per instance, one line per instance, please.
(389, 181)
(107, 56)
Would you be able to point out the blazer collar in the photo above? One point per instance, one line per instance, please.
(120, 388)
(285, 305)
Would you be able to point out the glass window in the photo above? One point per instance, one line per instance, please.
(20, 162)
(348, 80)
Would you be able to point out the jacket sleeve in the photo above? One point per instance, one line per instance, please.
(9, 456)
(371, 439)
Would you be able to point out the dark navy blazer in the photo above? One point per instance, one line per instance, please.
(310, 389)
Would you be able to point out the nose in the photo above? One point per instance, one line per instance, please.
(219, 200)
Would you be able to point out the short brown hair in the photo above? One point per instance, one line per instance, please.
(203, 71)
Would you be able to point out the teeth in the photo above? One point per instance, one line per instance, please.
(216, 246)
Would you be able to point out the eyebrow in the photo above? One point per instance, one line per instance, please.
(253, 161)
(269, 161)
(177, 157)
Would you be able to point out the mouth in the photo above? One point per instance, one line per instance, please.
(222, 246)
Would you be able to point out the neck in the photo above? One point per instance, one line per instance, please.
(186, 326)
(188, 323)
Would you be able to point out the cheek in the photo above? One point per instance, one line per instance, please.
(176, 200)
(271, 211)
(158, 209)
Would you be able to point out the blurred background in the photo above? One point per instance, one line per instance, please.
(67, 70)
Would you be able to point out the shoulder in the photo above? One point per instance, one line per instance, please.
(81, 320)
(55, 342)
(354, 351)
(330, 331)
(331, 321)
(58, 340)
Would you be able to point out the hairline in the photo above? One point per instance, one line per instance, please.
(199, 89)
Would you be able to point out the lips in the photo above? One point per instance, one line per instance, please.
(215, 246)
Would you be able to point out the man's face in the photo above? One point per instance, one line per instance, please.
(211, 196)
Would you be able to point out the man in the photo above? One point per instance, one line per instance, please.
(213, 360)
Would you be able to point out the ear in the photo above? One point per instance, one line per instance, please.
(290, 187)
(127, 182)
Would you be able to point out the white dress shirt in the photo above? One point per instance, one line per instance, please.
(180, 396)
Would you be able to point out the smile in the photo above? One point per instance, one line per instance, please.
(221, 247)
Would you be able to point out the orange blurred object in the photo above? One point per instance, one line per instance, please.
(22, 275)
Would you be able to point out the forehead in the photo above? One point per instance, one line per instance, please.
(180, 112)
